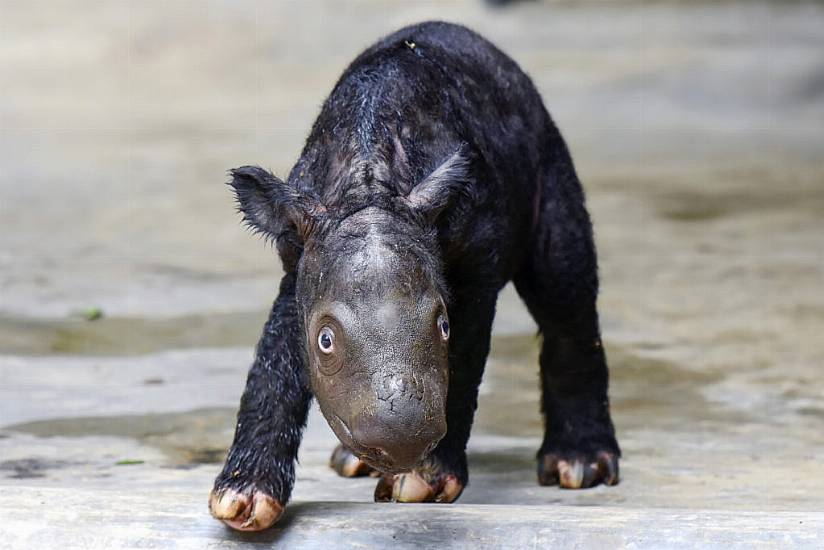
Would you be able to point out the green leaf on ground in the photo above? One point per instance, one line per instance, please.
(128, 462)
(92, 314)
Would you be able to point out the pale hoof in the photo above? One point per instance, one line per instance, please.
(245, 512)
(578, 472)
(414, 487)
(346, 464)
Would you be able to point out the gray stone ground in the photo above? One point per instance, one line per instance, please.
(698, 129)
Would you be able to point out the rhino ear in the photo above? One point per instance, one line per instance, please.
(436, 191)
(270, 206)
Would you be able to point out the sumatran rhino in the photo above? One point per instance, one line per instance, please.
(432, 177)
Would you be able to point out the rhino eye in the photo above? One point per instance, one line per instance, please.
(326, 340)
(443, 324)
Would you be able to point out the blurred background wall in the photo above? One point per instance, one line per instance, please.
(120, 118)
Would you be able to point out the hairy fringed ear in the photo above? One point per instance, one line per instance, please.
(272, 207)
(436, 191)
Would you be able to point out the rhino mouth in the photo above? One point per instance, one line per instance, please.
(376, 458)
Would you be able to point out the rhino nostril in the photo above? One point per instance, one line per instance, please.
(389, 384)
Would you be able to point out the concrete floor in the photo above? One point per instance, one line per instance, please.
(696, 127)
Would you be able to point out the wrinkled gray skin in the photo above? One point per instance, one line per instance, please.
(382, 388)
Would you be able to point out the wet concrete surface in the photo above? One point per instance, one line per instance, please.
(696, 127)
(126, 335)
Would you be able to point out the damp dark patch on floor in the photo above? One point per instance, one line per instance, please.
(127, 336)
(685, 204)
(30, 468)
(687, 207)
(812, 411)
(516, 347)
(194, 437)
(509, 400)
(648, 391)
(503, 461)
(644, 390)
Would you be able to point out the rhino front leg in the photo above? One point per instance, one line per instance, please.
(257, 478)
